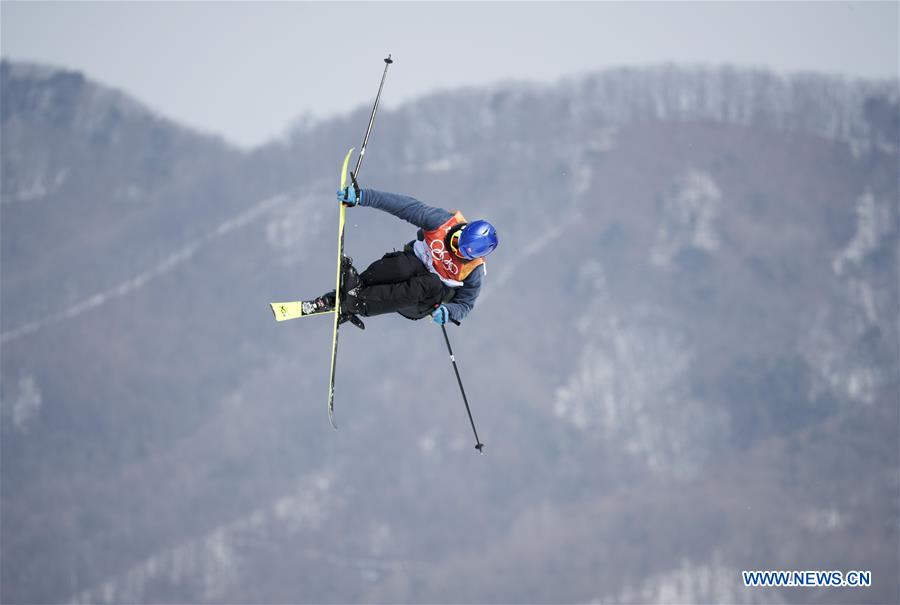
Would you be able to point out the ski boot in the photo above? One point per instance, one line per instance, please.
(351, 306)
(319, 305)
(350, 281)
(325, 303)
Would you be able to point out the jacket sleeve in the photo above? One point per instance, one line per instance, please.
(464, 300)
(406, 208)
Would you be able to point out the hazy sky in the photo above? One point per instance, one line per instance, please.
(245, 70)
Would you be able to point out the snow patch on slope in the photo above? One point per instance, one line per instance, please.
(23, 404)
(688, 218)
(293, 227)
(829, 350)
(823, 520)
(873, 223)
(631, 385)
(166, 265)
(834, 344)
(212, 562)
(37, 184)
(710, 582)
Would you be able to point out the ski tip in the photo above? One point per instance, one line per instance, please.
(344, 170)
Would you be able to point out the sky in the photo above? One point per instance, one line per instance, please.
(247, 70)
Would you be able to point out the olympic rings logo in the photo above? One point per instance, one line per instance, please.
(440, 254)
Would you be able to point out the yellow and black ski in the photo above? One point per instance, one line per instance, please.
(337, 292)
(340, 258)
(293, 310)
(284, 311)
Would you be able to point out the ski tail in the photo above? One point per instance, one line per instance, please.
(284, 311)
(287, 310)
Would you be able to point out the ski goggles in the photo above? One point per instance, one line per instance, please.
(454, 242)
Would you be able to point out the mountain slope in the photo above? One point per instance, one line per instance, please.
(683, 363)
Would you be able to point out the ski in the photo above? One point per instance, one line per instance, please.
(284, 311)
(337, 293)
(337, 305)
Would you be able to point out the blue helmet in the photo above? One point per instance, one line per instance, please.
(477, 239)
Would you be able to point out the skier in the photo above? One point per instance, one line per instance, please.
(440, 273)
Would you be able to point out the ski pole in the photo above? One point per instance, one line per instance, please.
(478, 444)
(362, 152)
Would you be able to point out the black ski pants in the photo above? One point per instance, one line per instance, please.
(399, 281)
